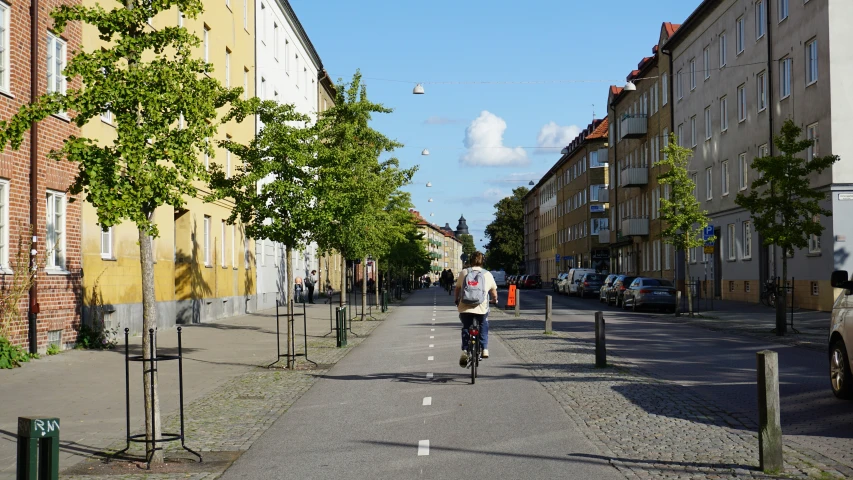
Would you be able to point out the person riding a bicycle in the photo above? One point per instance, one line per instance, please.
(475, 290)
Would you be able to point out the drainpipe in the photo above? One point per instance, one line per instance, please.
(33, 306)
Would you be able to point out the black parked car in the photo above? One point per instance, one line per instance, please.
(590, 284)
(605, 287)
(616, 294)
(650, 292)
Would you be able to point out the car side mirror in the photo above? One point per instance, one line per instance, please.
(839, 279)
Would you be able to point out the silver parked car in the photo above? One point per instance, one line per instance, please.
(650, 292)
(841, 337)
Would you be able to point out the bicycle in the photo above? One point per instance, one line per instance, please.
(475, 348)
(769, 293)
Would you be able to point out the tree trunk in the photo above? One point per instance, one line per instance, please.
(149, 321)
(290, 286)
(687, 281)
(782, 298)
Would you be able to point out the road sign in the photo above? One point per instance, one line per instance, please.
(558, 258)
(708, 237)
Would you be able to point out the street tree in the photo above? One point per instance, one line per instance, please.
(274, 187)
(468, 246)
(783, 204)
(506, 233)
(151, 83)
(680, 211)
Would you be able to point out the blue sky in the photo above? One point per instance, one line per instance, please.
(593, 43)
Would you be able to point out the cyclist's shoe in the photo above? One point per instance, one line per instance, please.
(463, 360)
(485, 353)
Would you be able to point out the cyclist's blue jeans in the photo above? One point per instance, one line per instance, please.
(467, 319)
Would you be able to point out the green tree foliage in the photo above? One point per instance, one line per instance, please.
(784, 206)
(467, 244)
(149, 80)
(506, 233)
(680, 212)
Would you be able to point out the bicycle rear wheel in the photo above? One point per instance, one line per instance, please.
(474, 354)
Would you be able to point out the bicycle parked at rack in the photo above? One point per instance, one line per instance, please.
(769, 293)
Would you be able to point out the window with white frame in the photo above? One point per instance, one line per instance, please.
(747, 239)
(709, 182)
(694, 177)
(762, 91)
(760, 19)
(693, 131)
(287, 56)
(785, 77)
(55, 230)
(56, 49)
(222, 245)
(679, 85)
(4, 224)
(706, 62)
(783, 9)
(708, 129)
(664, 82)
(814, 240)
(741, 103)
(5, 13)
(246, 14)
(180, 18)
(275, 40)
(740, 35)
(724, 177)
(693, 255)
(206, 44)
(813, 150)
(206, 245)
(743, 171)
(599, 224)
(723, 50)
(811, 62)
(692, 74)
(107, 243)
(724, 114)
(263, 23)
(680, 139)
(730, 241)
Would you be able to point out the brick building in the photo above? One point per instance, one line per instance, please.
(28, 178)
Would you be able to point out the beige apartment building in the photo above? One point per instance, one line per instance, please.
(531, 232)
(639, 130)
(443, 246)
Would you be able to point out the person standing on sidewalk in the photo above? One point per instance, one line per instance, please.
(469, 311)
(310, 281)
(297, 290)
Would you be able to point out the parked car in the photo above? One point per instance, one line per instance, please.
(500, 277)
(519, 282)
(619, 286)
(605, 287)
(556, 285)
(841, 337)
(590, 284)
(573, 286)
(650, 292)
(533, 281)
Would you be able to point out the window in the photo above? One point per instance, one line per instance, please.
(234, 246)
(724, 177)
(4, 224)
(107, 243)
(180, 18)
(693, 255)
(783, 9)
(741, 35)
(55, 64)
(730, 241)
(811, 134)
(724, 114)
(206, 44)
(814, 240)
(760, 19)
(743, 170)
(762, 91)
(692, 74)
(228, 4)
(747, 240)
(5, 12)
(287, 56)
(679, 86)
(741, 103)
(55, 230)
(206, 244)
(811, 62)
(275, 41)
(227, 68)
(785, 77)
(723, 58)
(708, 128)
(245, 83)
(222, 245)
(693, 131)
(706, 62)
(305, 81)
(664, 89)
(709, 181)
(763, 151)
(694, 177)
(246, 14)
(667, 252)
(680, 138)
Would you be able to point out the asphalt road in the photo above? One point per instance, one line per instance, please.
(399, 406)
(718, 366)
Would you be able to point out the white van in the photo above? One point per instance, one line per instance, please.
(574, 279)
(500, 277)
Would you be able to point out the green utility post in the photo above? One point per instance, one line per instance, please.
(38, 448)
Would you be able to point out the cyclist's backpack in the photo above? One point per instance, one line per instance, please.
(474, 288)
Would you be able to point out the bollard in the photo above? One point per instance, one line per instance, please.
(678, 304)
(548, 314)
(600, 341)
(38, 448)
(769, 423)
(517, 303)
(341, 337)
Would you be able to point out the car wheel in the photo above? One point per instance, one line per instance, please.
(839, 370)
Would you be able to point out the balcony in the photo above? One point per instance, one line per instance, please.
(603, 195)
(604, 236)
(635, 226)
(634, 176)
(633, 126)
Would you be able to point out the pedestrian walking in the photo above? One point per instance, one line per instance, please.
(310, 281)
(297, 290)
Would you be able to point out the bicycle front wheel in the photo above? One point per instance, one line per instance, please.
(474, 355)
(771, 300)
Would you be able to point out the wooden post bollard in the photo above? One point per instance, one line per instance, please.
(548, 314)
(600, 342)
(678, 303)
(769, 424)
(517, 302)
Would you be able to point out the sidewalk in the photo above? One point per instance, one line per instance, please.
(230, 396)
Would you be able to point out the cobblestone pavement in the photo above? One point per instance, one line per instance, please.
(647, 427)
(233, 416)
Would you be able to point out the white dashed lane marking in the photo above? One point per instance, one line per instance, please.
(431, 345)
(427, 401)
(429, 359)
(423, 448)
(431, 329)
(431, 337)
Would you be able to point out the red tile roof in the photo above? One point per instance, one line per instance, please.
(600, 131)
(671, 28)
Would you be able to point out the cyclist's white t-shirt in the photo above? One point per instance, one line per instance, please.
(482, 308)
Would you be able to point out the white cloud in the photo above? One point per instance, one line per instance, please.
(552, 137)
(484, 141)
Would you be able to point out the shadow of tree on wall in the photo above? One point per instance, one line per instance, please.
(189, 279)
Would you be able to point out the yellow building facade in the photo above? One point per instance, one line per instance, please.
(204, 268)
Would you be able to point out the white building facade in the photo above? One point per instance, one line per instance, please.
(287, 72)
